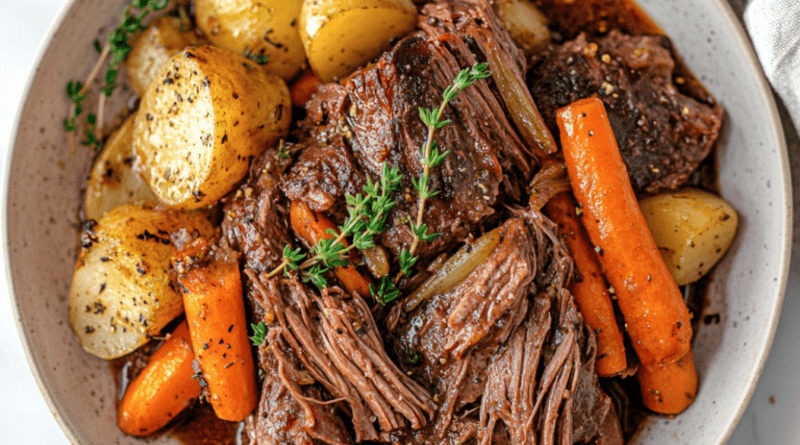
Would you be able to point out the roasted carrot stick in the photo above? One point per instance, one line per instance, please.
(304, 87)
(655, 315)
(163, 389)
(212, 298)
(669, 388)
(312, 227)
(590, 290)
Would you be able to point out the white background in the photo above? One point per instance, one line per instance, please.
(26, 419)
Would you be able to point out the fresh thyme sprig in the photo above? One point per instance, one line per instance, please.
(118, 38)
(366, 218)
(431, 156)
(118, 48)
(76, 95)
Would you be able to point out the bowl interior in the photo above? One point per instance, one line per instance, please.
(44, 191)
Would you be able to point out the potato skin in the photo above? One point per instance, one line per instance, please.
(112, 181)
(342, 35)
(256, 27)
(692, 228)
(160, 41)
(208, 113)
(121, 290)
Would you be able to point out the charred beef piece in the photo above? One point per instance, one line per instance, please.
(338, 345)
(528, 363)
(376, 114)
(663, 135)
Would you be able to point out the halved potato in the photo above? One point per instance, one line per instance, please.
(160, 41)
(121, 290)
(692, 228)
(526, 24)
(112, 181)
(256, 27)
(342, 35)
(207, 114)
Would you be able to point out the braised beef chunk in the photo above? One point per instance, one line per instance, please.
(663, 135)
(322, 173)
(376, 112)
(256, 215)
(522, 364)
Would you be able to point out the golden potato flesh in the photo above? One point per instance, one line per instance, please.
(207, 114)
(256, 27)
(524, 22)
(342, 35)
(112, 181)
(692, 228)
(121, 290)
(160, 41)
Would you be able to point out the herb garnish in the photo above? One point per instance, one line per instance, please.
(367, 218)
(368, 213)
(259, 332)
(431, 157)
(259, 59)
(118, 48)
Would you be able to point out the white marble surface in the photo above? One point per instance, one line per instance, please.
(772, 418)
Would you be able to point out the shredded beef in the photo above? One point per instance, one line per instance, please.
(662, 134)
(338, 344)
(528, 361)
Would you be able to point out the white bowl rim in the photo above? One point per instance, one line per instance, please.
(776, 128)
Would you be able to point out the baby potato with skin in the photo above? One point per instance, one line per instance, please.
(692, 228)
(205, 117)
(112, 181)
(121, 291)
(341, 35)
(257, 27)
(160, 41)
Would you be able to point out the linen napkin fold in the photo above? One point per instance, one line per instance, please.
(774, 28)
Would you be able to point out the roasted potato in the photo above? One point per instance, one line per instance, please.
(692, 228)
(160, 41)
(208, 113)
(121, 290)
(112, 181)
(526, 24)
(257, 28)
(342, 35)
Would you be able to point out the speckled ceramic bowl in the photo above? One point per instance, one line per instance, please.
(43, 191)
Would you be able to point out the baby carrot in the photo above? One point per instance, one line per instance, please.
(590, 290)
(655, 315)
(162, 390)
(303, 88)
(212, 298)
(312, 227)
(669, 388)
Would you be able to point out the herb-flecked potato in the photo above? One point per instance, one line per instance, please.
(342, 35)
(258, 28)
(121, 290)
(112, 181)
(160, 41)
(692, 228)
(205, 117)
